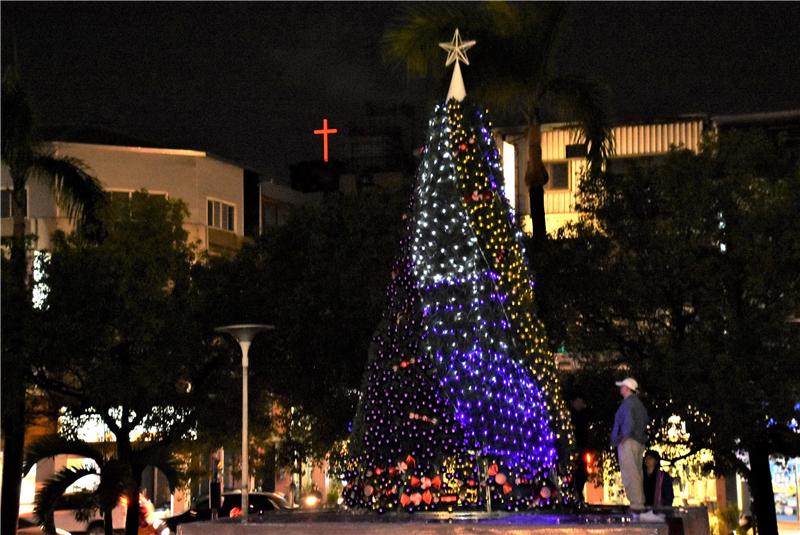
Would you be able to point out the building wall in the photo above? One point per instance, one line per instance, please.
(277, 202)
(191, 176)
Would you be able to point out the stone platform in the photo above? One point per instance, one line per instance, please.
(594, 521)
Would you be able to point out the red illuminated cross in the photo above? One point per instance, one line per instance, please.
(325, 131)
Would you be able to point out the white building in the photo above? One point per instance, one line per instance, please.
(225, 200)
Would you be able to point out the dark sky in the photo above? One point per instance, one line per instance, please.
(249, 81)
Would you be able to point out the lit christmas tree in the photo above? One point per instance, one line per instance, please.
(460, 397)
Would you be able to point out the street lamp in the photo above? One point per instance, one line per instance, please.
(244, 334)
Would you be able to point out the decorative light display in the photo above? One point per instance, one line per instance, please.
(679, 457)
(460, 397)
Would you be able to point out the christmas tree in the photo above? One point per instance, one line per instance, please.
(460, 399)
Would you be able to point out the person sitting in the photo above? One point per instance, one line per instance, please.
(657, 483)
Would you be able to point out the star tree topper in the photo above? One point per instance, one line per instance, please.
(456, 53)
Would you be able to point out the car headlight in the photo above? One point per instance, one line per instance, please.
(310, 501)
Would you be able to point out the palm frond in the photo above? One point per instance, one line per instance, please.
(51, 445)
(54, 488)
(412, 40)
(515, 46)
(583, 103)
(17, 124)
(547, 18)
(159, 456)
(503, 95)
(77, 192)
(507, 19)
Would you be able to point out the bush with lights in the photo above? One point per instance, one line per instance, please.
(460, 398)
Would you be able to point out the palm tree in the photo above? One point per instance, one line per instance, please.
(511, 70)
(114, 476)
(77, 193)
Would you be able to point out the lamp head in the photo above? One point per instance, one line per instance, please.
(244, 332)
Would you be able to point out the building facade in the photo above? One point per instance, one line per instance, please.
(226, 202)
(212, 189)
(564, 156)
(564, 153)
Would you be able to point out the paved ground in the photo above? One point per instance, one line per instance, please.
(605, 521)
(789, 528)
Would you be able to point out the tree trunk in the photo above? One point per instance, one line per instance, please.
(761, 488)
(13, 372)
(536, 177)
(49, 525)
(108, 521)
(124, 452)
(14, 437)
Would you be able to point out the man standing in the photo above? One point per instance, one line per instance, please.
(629, 436)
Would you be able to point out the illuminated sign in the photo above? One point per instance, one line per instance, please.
(325, 131)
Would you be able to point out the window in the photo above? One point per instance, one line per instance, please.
(559, 175)
(221, 215)
(273, 213)
(627, 166)
(6, 206)
(123, 198)
(577, 151)
(617, 166)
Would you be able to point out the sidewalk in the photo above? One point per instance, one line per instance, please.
(789, 528)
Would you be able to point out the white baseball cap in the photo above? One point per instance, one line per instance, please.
(630, 382)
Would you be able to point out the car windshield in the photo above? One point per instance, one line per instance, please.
(261, 502)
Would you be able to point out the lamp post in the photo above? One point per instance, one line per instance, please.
(244, 334)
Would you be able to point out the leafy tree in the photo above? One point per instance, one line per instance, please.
(319, 279)
(77, 193)
(331, 264)
(512, 69)
(117, 337)
(684, 271)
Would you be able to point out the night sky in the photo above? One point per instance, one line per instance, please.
(249, 81)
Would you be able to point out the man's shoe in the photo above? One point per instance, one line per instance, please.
(650, 516)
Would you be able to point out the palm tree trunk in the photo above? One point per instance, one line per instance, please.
(761, 487)
(13, 359)
(535, 178)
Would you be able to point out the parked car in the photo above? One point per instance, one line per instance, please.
(259, 504)
(37, 530)
(64, 517)
(312, 500)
